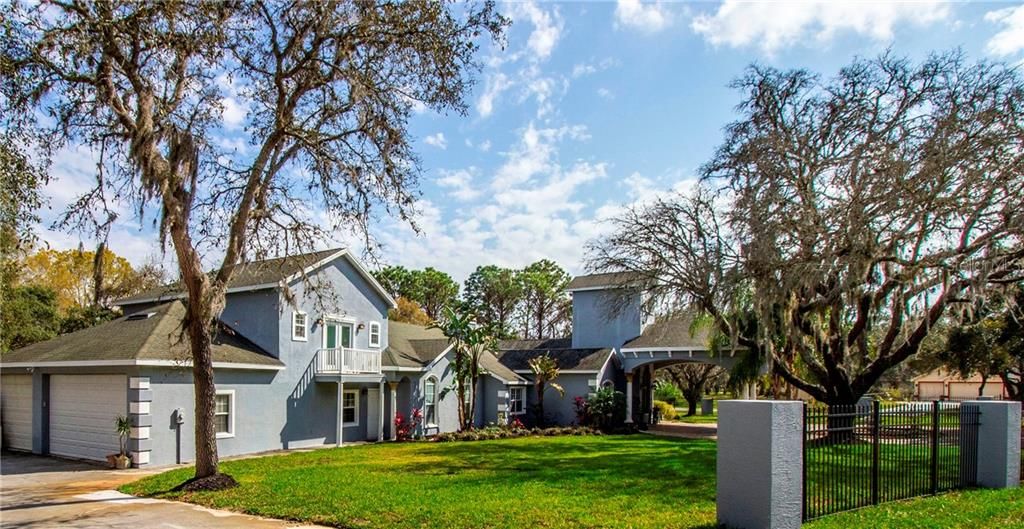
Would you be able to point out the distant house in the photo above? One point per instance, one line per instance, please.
(302, 375)
(939, 384)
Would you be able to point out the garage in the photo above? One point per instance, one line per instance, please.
(16, 411)
(82, 413)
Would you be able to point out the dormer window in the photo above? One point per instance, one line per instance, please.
(300, 327)
(374, 334)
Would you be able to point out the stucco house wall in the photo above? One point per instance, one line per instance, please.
(596, 325)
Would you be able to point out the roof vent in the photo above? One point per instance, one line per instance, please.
(140, 316)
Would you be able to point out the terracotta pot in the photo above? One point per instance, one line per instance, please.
(122, 462)
(112, 459)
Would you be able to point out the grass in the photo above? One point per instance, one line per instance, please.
(600, 481)
(575, 482)
(974, 509)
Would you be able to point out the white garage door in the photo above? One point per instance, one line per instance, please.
(16, 409)
(82, 413)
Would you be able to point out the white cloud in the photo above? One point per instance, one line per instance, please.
(533, 207)
(494, 85)
(436, 140)
(772, 26)
(1010, 39)
(646, 17)
(590, 68)
(605, 93)
(461, 183)
(233, 113)
(547, 29)
(485, 145)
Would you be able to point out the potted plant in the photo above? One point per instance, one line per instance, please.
(124, 429)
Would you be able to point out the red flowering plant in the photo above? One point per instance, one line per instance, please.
(583, 417)
(516, 424)
(406, 429)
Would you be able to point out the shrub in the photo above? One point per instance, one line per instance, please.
(494, 432)
(667, 392)
(607, 409)
(668, 411)
(406, 429)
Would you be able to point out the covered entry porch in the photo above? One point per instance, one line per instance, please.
(662, 344)
(360, 385)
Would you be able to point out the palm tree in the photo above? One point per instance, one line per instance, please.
(458, 327)
(545, 371)
(479, 341)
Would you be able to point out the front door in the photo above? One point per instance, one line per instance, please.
(337, 334)
(372, 414)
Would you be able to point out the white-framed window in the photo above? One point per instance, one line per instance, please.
(517, 400)
(350, 408)
(300, 327)
(430, 401)
(224, 413)
(374, 334)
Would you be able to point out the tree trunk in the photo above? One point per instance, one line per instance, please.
(692, 407)
(205, 398)
(540, 404)
(981, 388)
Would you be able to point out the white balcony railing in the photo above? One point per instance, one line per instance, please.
(345, 360)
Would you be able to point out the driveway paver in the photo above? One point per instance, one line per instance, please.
(43, 492)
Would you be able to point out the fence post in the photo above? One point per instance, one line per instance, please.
(935, 447)
(998, 443)
(760, 464)
(876, 440)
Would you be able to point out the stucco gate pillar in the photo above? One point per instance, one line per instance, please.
(998, 443)
(760, 464)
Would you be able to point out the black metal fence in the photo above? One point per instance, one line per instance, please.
(861, 455)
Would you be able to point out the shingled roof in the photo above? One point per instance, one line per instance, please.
(255, 274)
(605, 280)
(415, 346)
(412, 345)
(154, 337)
(516, 354)
(671, 333)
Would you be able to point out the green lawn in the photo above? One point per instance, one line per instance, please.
(975, 509)
(602, 481)
(610, 481)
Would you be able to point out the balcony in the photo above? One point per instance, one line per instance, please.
(347, 361)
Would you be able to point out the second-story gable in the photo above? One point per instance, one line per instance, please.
(335, 302)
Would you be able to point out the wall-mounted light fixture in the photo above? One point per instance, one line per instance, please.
(360, 327)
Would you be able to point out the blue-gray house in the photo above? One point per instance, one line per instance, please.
(305, 356)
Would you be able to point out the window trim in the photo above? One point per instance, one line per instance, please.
(427, 380)
(305, 326)
(355, 415)
(522, 410)
(372, 326)
(231, 413)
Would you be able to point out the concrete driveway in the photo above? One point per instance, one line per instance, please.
(40, 492)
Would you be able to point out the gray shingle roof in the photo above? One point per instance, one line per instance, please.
(673, 332)
(255, 273)
(137, 337)
(605, 280)
(412, 345)
(516, 354)
(416, 346)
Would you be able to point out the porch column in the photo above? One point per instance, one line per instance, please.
(380, 427)
(629, 398)
(341, 409)
(394, 408)
(650, 392)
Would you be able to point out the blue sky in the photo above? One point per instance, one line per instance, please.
(593, 106)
